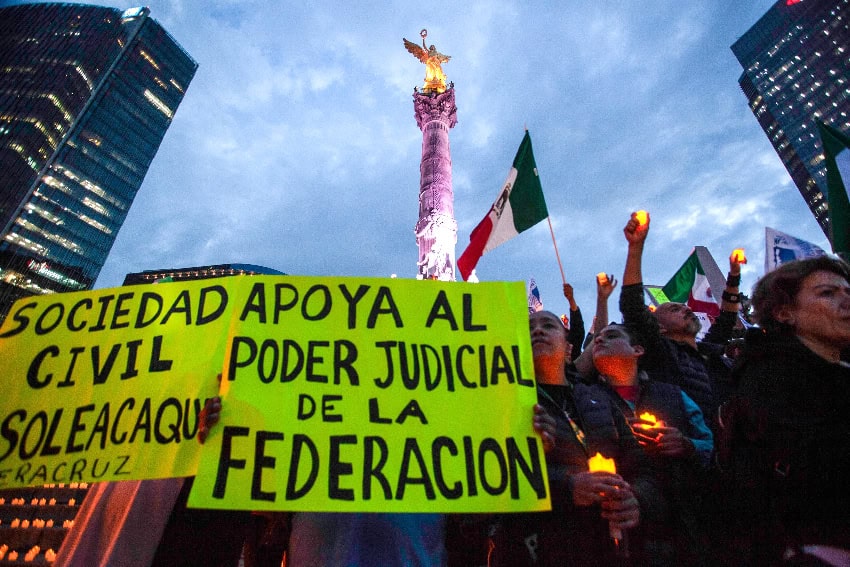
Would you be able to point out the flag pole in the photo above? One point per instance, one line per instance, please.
(557, 255)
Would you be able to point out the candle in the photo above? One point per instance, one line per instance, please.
(653, 421)
(641, 217)
(598, 463)
(602, 278)
(739, 256)
(646, 416)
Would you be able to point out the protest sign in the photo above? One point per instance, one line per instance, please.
(376, 395)
(108, 385)
(343, 394)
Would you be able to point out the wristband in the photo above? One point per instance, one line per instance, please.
(733, 280)
(731, 297)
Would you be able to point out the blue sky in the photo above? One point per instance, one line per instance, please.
(296, 145)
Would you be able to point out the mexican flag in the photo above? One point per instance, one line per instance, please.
(520, 206)
(690, 285)
(836, 153)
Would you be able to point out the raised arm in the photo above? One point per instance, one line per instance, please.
(576, 331)
(721, 330)
(605, 285)
(641, 323)
(635, 234)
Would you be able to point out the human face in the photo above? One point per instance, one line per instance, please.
(820, 315)
(677, 318)
(613, 341)
(548, 336)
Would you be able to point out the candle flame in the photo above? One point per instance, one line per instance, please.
(646, 416)
(641, 217)
(598, 463)
(739, 256)
(602, 278)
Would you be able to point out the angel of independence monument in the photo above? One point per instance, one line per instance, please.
(436, 113)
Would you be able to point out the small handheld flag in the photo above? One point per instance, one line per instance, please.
(534, 302)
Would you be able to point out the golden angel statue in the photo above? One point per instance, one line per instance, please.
(435, 79)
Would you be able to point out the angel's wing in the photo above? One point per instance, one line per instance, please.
(417, 51)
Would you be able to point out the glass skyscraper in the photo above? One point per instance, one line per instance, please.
(796, 62)
(86, 96)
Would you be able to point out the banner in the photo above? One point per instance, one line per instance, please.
(376, 396)
(781, 248)
(108, 385)
(343, 394)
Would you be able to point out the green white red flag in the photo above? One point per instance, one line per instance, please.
(520, 206)
(836, 153)
(690, 285)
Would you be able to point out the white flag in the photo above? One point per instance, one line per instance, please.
(781, 248)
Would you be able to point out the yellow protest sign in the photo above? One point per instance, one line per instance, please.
(108, 384)
(343, 394)
(367, 395)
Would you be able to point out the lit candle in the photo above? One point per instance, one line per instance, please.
(653, 421)
(602, 278)
(739, 256)
(598, 463)
(641, 217)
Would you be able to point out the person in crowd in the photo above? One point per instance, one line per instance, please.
(327, 539)
(575, 334)
(319, 539)
(785, 439)
(669, 335)
(587, 507)
(673, 433)
(141, 523)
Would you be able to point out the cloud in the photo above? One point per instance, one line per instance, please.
(296, 145)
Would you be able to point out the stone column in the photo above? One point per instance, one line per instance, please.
(436, 230)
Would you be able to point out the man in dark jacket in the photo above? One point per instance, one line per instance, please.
(672, 353)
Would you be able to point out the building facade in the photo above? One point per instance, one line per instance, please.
(198, 273)
(86, 96)
(796, 62)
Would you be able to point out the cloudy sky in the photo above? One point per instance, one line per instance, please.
(296, 145)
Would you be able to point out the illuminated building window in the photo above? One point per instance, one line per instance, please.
(149, 59)
(161, 106)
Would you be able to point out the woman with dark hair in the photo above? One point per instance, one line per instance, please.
(787, 432)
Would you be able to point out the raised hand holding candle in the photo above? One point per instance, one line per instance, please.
(739, 256)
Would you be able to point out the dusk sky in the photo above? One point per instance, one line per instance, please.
(296, 145)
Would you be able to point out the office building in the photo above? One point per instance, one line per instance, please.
(198, 273)
(796, 62)
(86, 96)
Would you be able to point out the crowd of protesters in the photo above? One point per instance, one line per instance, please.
(731, 450)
